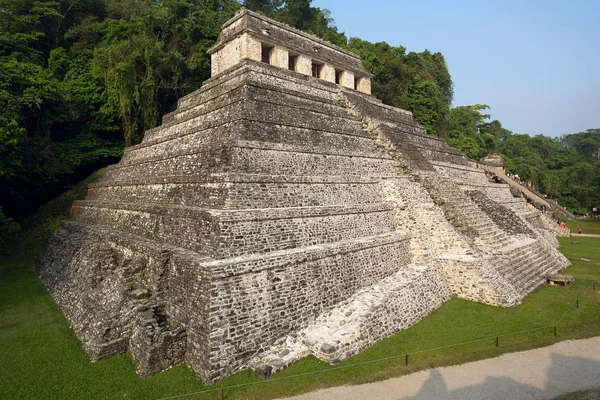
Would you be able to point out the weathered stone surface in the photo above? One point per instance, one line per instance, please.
(275, 215)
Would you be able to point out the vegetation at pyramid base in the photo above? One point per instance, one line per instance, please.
(81, 80)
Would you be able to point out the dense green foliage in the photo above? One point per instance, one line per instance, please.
(419, 82)
(566, 169)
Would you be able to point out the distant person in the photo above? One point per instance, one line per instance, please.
(579, 229)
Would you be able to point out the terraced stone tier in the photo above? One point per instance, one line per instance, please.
(529, 262)
(111, 286)
(478, 279)
(233, 191)
(261, 191)
(393, 304)
(224, 305)
(222, 233)
(288, 160)
(464, 214)
(258, 300)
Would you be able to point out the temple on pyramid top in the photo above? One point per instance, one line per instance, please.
(249, 35)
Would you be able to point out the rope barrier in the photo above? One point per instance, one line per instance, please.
(398, 356)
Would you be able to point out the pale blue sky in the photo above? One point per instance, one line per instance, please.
(535, 63)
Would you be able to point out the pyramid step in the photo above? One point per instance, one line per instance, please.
(395, 240)
(267, 95)
(219, 233)
(232, 191)
(253, 158)
(264, 75)
(369, 315)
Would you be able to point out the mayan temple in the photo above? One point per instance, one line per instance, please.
(280, 211)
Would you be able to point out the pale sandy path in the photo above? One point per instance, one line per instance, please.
(576, 235)
(543, 373)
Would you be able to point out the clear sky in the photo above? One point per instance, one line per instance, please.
(536, 63)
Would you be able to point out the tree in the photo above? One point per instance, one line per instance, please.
(464, 125)
(418, 82)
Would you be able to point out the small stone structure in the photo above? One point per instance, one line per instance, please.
(282, 211)
(564, 280)
(493, 160)
(249, 36)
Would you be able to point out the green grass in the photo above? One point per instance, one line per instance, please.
(587, 226)
(40, 358)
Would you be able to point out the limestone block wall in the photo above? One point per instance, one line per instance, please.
(347, 81)
(501, 194)
(304, 64)
(416, 212)
(328, 73)
(534, 219)
(505, 218)
(393, 304)
(300, 227)
(267, 191)
(176, 191)
(233, 233)
(422, 294)
(103, 281)
(461, 174)
(365, 86)
(529, 262)
(280, 57)
(255, 302)
(477, 279)
(288, 161)
(245, 46)
(473, 179)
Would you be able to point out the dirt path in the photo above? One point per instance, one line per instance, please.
(575, 235)
(543, 373)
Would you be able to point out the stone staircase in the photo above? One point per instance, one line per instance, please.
(466, 215)
(443, 172)
(375, 312)
(527, 263)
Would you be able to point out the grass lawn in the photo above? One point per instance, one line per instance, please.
(587, 226)
(40, 358)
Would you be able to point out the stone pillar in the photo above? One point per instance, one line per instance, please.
(328, 73)
(304, 65)
(347, 79)
(226, 57)
(251, 47)
(279, 57)
(365, 85)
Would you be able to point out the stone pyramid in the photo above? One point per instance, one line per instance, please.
(280, 211)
